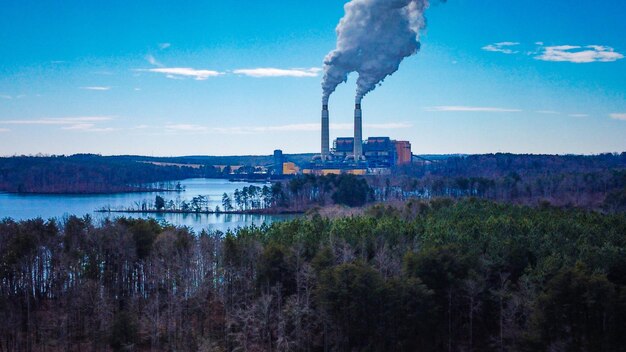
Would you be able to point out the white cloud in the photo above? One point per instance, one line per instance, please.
(96, 88)
(578, 115)
(183, 72)
(469, 109)
(618, 116)
(82, 123)
(578, 54)
(164, 46)
(277, 72)
(4, 130)
(79, 126)
(87, 127)
(7, 97)
(57, 120)
(153, 61)
(502, 47)
(263, 72)
(302, 127)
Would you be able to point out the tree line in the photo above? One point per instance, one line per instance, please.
(88, 173)
(441, 275)
(300, 194)
(592, 182)
(297, 194)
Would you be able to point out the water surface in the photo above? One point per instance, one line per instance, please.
(28, 206)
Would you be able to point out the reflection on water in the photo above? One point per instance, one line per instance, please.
(30, 206)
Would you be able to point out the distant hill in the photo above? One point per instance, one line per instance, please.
(92, 173)
(253, 160)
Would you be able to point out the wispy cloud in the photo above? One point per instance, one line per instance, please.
(561, 53)
(578, 115)
(502, 47)
(183, 72)
(7, 97)
(100, 88)
(202, 74)
(313, 127)
(164, 46)
(153, 61)
(578, 54)
(618, 116)
(58, 120)
(469, 109)
(4, 130)
(87, 127)
(302, 127)
(278, 72)
(81, 123)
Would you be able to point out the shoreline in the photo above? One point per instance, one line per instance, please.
(90, 193)
(142, 190)
(206, 212)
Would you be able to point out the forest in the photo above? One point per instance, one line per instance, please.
(88, 173)
(592, 182)
(438, 275)
(596, 183)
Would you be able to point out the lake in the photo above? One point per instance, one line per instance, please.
(28, 206)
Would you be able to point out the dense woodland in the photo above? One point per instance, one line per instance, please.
(470, 275)
(302, 193)
(592, 182)
(89, 173)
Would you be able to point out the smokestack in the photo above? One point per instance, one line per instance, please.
(358, 133)
(325, 133)
(373, 38)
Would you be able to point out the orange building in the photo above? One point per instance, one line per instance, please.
(403, 152)
(290, 168)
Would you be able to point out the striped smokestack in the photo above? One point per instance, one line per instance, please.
(358, 133)
(325, 133)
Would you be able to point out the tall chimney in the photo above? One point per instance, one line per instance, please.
(325, 132)
(358, 133)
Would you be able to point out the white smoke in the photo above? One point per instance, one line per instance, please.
(373, 38)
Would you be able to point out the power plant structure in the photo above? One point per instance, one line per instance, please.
(353, 155)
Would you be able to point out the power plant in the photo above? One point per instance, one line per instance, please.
(353, 155)
(374, 55)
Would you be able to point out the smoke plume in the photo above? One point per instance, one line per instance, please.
(373, 38)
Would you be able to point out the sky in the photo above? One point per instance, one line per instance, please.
(172, 78)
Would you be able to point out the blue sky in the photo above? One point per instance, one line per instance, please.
(222, 77)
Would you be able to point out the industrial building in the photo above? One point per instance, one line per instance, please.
(281, 167)
(379, 155)
(375, 155)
